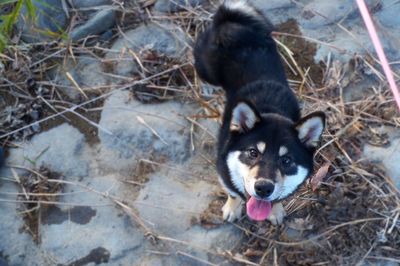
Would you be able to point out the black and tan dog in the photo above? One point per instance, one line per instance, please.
(265, 149)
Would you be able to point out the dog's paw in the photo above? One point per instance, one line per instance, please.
(232, 210)
(277, 214)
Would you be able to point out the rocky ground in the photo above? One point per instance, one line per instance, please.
(109, 139)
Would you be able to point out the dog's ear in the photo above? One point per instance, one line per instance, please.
(310, 129)
(244, 117)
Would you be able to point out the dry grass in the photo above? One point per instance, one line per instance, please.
(36, 189)
(352, 217)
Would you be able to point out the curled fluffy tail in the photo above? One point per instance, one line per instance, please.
(236, 26)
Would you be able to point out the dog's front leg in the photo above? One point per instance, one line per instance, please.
(277, 214)
(232, 210)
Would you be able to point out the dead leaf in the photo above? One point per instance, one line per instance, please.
(300, 224)
(319, 176)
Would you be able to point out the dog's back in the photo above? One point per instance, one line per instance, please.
(238, 48)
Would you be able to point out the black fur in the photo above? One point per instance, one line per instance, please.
(238, 53)
(234, 42)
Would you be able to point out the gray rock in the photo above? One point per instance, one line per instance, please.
(265, 6)
(167, 198)
(1, 156)
(105, 229)
(206, 136)
(389, 156)
(3, 262)
(88, 72)
(106, 36)
(166, 39)
(170, 202)
(225, 237)
(384, 263)
(133, 139)
(176, 5)
(71, 231)
(59, 149)
(16, 245)
(89, 3)
(50, 17)
(321, 13)
(97, 24)
(356, 43)
(86, 225)
(389, 14)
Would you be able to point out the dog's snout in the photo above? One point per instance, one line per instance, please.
(264, 188)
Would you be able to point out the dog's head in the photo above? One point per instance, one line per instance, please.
(269, 156)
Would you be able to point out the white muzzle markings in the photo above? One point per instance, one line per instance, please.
(289, 184)
(240, 174)
(241, 179)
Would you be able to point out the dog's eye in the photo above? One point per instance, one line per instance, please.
(286, 161)
(253, 153)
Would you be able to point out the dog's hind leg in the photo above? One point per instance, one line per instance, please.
(232, 210)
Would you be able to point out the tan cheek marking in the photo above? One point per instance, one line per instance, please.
(261, 146)
(253, 173)
(283, 150)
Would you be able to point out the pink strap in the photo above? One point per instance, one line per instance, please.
(379, 50)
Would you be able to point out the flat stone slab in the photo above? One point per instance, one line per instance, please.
(85, 227)
(318, 20)
(388, 16)
(89, 227)
(16, 248)
(51, 19)
(90, 3)
(388, 155)
(173, 6)
(166, 198)
(317, 13)
(266, 6)
(60, 149)
(162, 38)
(86, 71)
(98, 23)
(180, 199)
(137, 131)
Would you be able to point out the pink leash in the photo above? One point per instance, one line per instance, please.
(379, 50)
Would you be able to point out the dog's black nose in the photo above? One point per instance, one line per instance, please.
(264, 188)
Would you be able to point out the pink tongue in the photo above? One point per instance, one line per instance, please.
(258, 210)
